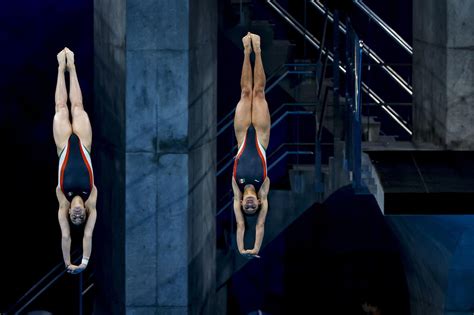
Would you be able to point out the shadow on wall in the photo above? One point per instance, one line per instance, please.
(333, 259)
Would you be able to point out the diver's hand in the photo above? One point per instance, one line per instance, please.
(250, 253)
(73, 269)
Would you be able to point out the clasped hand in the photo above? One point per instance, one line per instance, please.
(73, 269)
(250, 253)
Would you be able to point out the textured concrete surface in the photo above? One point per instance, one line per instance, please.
(156, 104)
(443, 73)
(108, 120)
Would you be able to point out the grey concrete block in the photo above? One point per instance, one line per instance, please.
(428, 21)
(157, 25)
(460, 97)
(443, 67)
(141, 193)
(173, 235)
(172, 100)
(109, 22)
(459, 28)
(108, 121)
(202, 123)
(202, 70)
(141, 101)
(141, 229)
(141, 263)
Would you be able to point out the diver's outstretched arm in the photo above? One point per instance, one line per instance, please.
(89, 229)
(260, 227)
(238, 216)
(240, 226)
(64, 224)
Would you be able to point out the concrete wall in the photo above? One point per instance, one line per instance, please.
(443, 73)
(202, 109)
(108, 154)
(167, 136)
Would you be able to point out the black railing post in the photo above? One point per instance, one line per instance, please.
(335, 75)
(80, 293)
(348, 107)
(357, 133)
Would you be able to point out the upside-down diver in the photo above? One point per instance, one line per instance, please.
(76, 192)
(250, 182)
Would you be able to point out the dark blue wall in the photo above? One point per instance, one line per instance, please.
(31, 34)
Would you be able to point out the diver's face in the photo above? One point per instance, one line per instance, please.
(77, 215)
(249, 203)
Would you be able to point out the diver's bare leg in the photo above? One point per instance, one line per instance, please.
(243, 111)
(61, 124)
(80, 120)
(260, 112)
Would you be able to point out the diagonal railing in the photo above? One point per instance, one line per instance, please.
(315, 42)
(367, 50)
(384, 26)
(48, 280)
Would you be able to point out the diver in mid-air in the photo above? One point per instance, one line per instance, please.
(250, 182)
(76, 192)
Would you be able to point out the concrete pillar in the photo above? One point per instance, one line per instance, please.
(168, 123)
(108, 155)
(443, 73)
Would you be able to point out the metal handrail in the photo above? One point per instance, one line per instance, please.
(367, 50)
(365, 88)
(11, 310)
(361, 5)
(296, 25)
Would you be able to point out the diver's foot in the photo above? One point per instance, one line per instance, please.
(61, 60)
(256, 43)
(247, 41)
(70, 59)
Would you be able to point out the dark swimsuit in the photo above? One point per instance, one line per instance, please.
(75, 175)
(250, 165)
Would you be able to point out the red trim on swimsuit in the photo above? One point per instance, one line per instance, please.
(63, 167)
(87, 164)
(234, 172)
(261, 157)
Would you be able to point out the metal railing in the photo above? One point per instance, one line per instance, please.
(46, 282)
(365, 88)
(353, 109)
(367, 50)
(394, 35)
